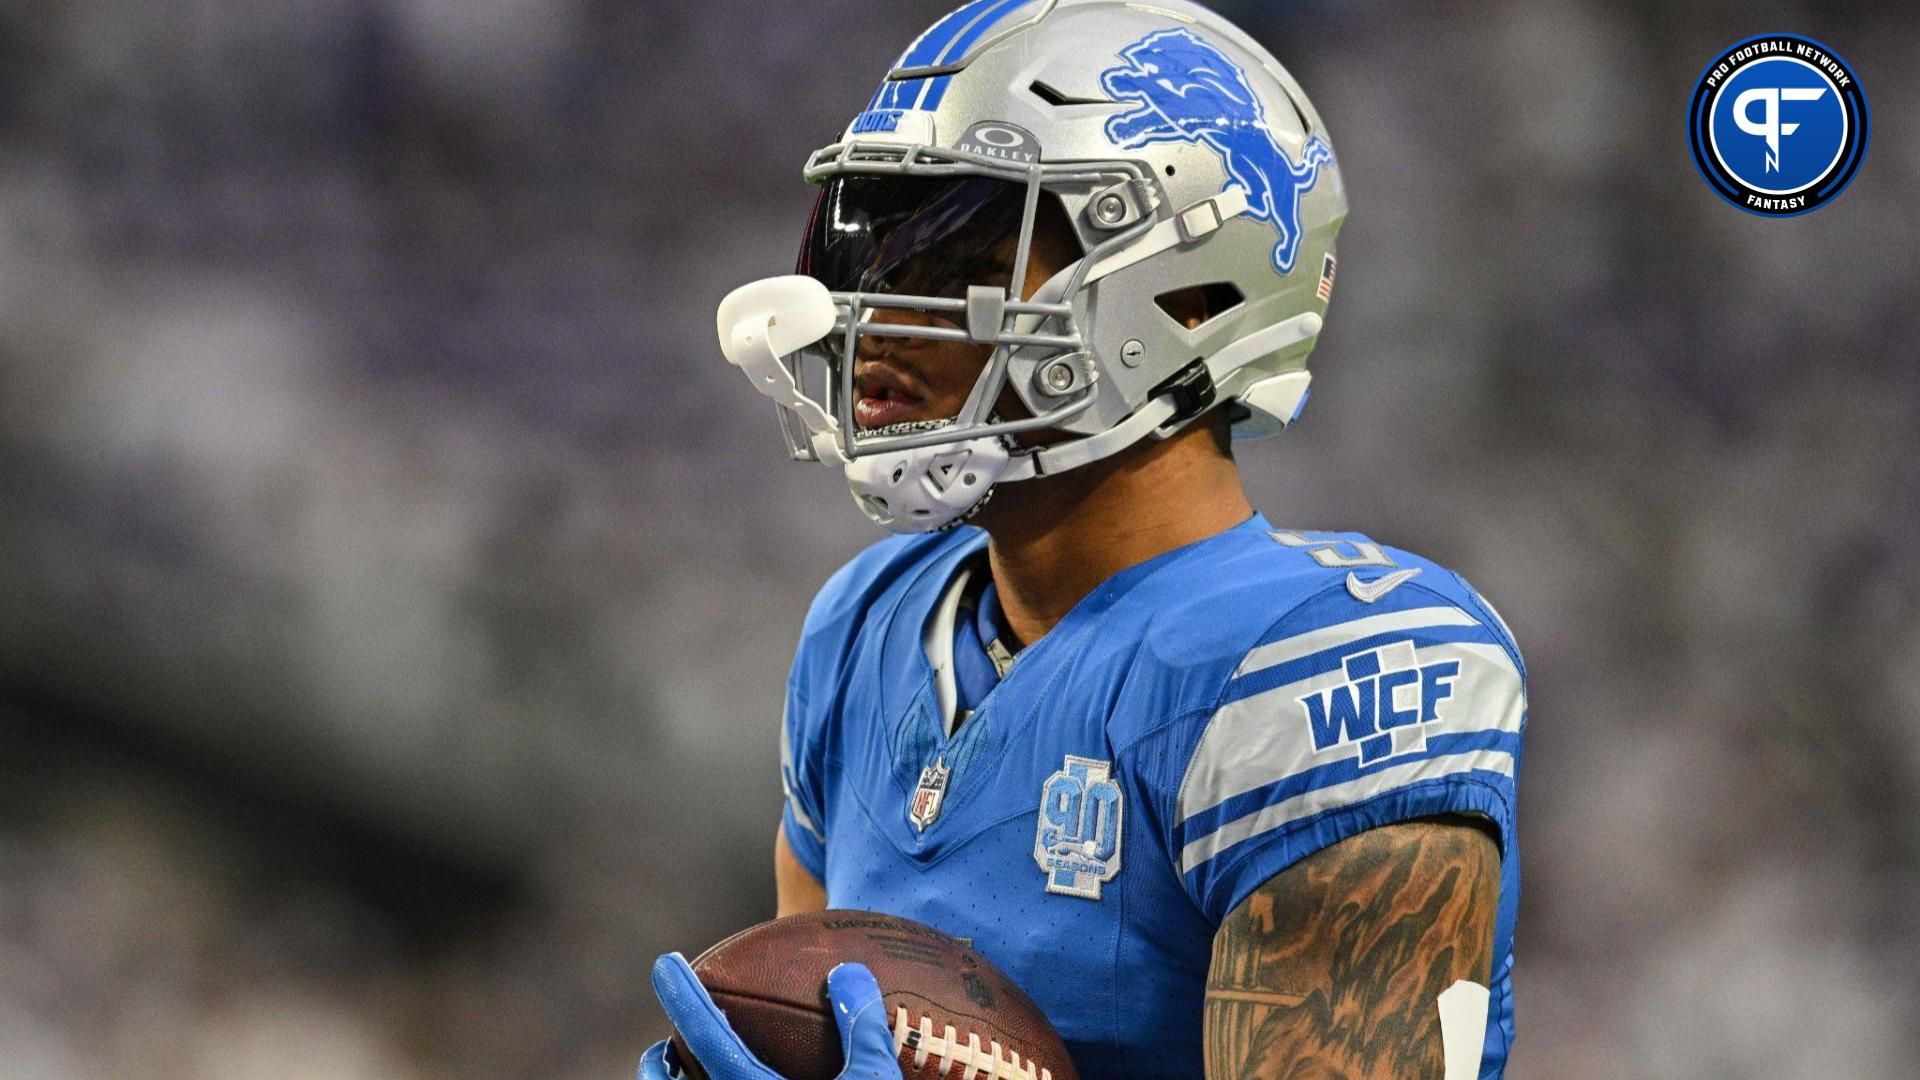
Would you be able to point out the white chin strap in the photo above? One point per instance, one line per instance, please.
(933, 487)
(930, 487)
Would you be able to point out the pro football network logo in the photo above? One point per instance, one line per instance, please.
(1778, 125)
(1385, 705)
(1185, 90)
(1078, 842)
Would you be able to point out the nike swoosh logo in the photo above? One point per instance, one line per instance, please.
(1368, 592)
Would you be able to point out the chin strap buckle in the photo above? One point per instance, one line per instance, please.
(1191, 389)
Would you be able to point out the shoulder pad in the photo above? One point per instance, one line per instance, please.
(1207, 619)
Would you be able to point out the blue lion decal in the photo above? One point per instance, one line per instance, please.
(1186, 90)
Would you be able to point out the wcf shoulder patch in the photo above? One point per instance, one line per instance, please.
(1384, 706)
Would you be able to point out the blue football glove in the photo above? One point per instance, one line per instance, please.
(866, 1042)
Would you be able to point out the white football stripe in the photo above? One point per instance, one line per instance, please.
(1306, 804)
(1326, 637)
(1262, 739)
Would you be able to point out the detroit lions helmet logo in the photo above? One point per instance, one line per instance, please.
(1185, 90)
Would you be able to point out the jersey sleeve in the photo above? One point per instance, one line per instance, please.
(800, 782)
(810, 686)
(833, 621)
(1345, 716)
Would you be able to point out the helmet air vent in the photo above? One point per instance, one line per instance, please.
(1197, 305)
(1058, 99)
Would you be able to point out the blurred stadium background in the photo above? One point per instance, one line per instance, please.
(396, 588)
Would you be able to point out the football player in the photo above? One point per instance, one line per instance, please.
(1228, 799)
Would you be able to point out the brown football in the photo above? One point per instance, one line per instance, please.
(952, 1013)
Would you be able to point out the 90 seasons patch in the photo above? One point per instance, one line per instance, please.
(1077, 843)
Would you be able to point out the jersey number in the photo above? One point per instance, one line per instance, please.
(1337, 554)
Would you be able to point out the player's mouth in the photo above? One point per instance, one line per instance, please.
(886, 396)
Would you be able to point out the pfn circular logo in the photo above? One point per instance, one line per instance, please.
(1778, 124)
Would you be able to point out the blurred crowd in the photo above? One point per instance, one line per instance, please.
(397, 589)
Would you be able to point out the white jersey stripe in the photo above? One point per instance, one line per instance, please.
(1263, 739)
(788, 779)
(1326, 637)
(1308, 803)
(800, 818)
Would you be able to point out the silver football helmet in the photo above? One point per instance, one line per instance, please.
(1184, 157)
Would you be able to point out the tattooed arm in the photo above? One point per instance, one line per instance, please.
(1330, 970)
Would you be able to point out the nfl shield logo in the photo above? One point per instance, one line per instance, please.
(926, 799)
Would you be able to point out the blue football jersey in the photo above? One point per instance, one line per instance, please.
(1195, 725)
